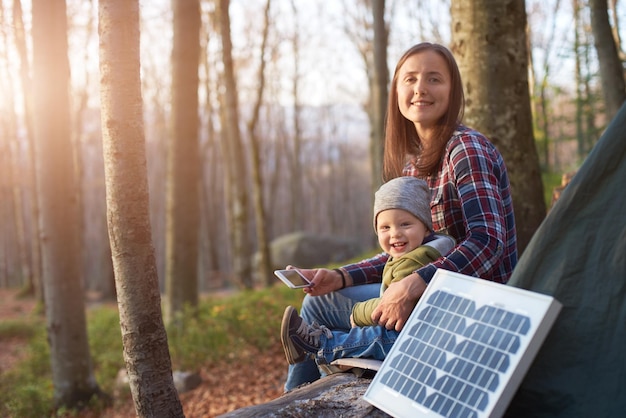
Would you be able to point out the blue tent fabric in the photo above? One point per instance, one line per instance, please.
(578, 255)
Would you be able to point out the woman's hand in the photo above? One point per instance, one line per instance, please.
(323, 280)
(398, 301)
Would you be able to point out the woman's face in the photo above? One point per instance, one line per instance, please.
(423, 88)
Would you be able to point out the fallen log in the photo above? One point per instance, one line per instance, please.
(336, 395)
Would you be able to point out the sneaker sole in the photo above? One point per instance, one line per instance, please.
(290, 352)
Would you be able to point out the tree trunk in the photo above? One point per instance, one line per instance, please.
(235, 160)
(543, 114)
(338, 395)
(72, 375)
(10, 147)
(611, 69)
(264, 270)
(18, 186)
(580, 138)
(379, 92)
(489, 42)
(7, 228)
(183, 174)
(294, 147)
(144, 339)
(25, 82)
(367, 29)
(212, 178)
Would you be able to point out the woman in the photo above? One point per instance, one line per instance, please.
(470, 200)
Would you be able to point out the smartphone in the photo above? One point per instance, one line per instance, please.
(293, 278)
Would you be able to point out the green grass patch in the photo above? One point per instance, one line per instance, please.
(219, 328)
(105, 345)
(26, 390)
(17, 329)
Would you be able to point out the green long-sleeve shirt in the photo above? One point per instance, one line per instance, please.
(397, 269)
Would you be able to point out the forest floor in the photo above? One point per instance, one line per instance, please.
(249, 379)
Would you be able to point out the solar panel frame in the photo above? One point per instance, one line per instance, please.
(493, 313)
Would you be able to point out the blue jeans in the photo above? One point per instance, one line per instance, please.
(333, 310)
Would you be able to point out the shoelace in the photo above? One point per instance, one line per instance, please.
(312, 333)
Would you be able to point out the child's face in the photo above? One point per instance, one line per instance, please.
(399, 231)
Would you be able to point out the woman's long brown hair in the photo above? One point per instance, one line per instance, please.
(401, 139)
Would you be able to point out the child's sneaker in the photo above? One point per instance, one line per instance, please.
(299, 338)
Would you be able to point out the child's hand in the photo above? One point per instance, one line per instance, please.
(352, 324)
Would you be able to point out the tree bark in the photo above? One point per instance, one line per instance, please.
(10, 149)
(72, 375)
(7, 228)
(489, 42)
(337, 395)
(144, 339)
(580, 82)
(379, 92)
(264, 270)
(212, 180)
(235, 160)
(294, 146)
(183, 174)
(611, 68)
(543, 114)
(367, 29)
(25, 82)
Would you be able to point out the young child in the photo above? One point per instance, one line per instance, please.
(402, 222)
(404, 228)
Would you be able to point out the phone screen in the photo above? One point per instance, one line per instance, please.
(292, 278)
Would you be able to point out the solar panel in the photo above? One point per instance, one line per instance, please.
(464, 350)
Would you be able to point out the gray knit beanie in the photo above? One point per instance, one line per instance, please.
(408, 193)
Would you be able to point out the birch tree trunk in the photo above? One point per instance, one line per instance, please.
(146, 352)
(183, 174)
(489, 42)
(72, 375)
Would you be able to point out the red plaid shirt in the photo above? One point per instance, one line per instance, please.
(471, 201)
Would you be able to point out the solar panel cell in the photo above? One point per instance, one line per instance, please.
(460, 347)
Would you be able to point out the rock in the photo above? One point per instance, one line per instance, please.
(121, 380)
(183, 381)
(306, 250)
(336, 395)
(186, 381)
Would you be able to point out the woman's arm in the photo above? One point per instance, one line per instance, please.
(366, 271)
(398, 301)
(472, 203)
